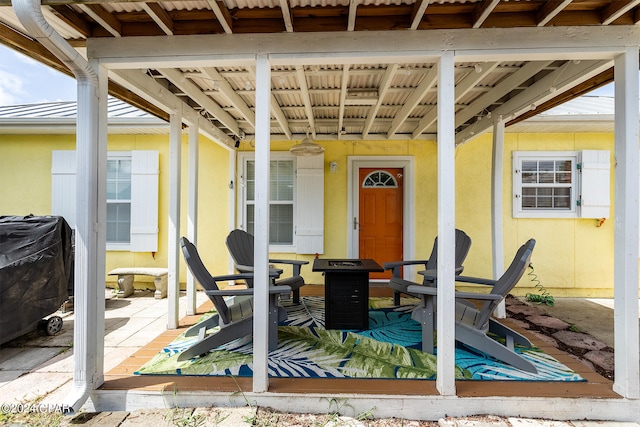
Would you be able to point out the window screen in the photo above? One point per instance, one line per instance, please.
(118, 200)
(281, 190)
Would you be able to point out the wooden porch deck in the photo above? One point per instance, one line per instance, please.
(122, 378)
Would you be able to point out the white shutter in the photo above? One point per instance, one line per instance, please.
(310, 205)
(63, 185)
(595, 184)
(144, 201)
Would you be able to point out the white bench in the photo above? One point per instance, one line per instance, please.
(125, 280)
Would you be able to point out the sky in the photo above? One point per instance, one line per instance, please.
(25, 81)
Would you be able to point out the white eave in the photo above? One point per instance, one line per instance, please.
(60, 118)
(583, 114)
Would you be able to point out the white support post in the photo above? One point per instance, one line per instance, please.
(445, 381)
(626, 225)
(192, 222)
(233, 198)
(173, 244)
(261, 227)
(497, 167)
(101, 253)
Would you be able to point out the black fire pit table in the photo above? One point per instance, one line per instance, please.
(346, 291)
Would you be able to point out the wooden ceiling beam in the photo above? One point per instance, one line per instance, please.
(154, 93)
(276, 110)
(344, 87)
(227, 91)
(105, 19)
(462, 88)
(419, 9)
(286, 15)
(428, 81)
(159, 16)
(29, 47)
(222, 13)
(481, 104)
(616, 9)
(482, 12)
(302, 82)
(353, 12)
(549, 10)
(570, 74)
(72, 19)
(194, 92)
(587, 86)
(385, 83)
(135, 100)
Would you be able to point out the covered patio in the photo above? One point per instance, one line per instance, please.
(237, 72)
(124, 388)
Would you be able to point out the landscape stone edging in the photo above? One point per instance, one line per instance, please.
(584, 347)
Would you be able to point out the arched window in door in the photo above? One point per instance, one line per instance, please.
(379, 178)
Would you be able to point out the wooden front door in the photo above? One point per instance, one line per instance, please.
(380, 212)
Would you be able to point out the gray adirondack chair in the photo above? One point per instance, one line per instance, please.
(463, 243)
(472, 323)
(240, 245)
(234, 315)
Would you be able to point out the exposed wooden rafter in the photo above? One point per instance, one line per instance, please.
(482, 105)
(482, 12)
(222, 13)
(325, 96)
(462, 88)
(68, 16)
(385, 83)
(419, 8)
(549, 10)
(194, 92)
(560, 80)
(227, 91)
(286, 15)
(353, 11)
(583, 88)
(308, 105)
(344, 87)
(616, 9)
(429, 80)
(103, 18)
(276, 110)
(159, 16)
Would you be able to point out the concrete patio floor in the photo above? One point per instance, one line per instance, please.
(39, 365)
(36, 366)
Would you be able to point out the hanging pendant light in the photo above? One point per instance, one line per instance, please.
(307, 147)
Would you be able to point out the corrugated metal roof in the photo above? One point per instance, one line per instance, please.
(67, 109)
(60, 118)
(583, 114)
(584, 105)
(373, 100)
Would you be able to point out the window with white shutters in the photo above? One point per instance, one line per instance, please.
(296, 201)
(550, 184)
(132, 197)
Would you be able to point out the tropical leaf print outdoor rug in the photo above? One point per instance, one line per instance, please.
(390, 348)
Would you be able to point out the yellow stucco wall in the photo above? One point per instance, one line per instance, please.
(25, 165)
(572, 256)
